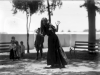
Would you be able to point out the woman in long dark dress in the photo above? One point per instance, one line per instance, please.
(55, 55)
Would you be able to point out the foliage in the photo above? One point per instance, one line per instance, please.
(91, 4)
(23, 5)
(52, 6)
(34, 5)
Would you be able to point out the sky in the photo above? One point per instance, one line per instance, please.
(70, 15)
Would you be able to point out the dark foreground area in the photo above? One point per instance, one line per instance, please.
(80, 63)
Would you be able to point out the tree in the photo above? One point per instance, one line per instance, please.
(91, 9)
(30, 7)
(50, 7)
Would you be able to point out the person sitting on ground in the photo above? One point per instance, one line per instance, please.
(22, 47)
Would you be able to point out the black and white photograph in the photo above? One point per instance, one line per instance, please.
(49, 37)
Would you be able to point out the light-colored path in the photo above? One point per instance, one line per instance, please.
(34, 67)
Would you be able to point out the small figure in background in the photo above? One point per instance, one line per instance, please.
(13, 39)
(18, 50)
(39, 43)
(22, 47)
(12, 48)
(98, 43)
(12, 51)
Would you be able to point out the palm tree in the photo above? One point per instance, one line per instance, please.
(91, 9)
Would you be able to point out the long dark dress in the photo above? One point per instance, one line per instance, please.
(11, 54)
(55, 53)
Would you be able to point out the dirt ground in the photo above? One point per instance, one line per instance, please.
(80, 63)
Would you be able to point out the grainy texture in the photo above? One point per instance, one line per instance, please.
(81, 63)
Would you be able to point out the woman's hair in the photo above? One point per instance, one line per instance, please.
(44, 23)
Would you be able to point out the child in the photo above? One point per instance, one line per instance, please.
(18, 50)
(98, 43)
(13, 39)
(12, 50)
(39, 43)
(22, 47)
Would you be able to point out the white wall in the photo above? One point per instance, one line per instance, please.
(18, 37)
(64, 39)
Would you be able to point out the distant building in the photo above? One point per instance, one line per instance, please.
(98, 30)
(86, 30)
(69, 30)
(62, 30)
(3, 33)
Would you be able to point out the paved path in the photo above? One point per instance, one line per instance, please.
(45, 50)
(34, 67)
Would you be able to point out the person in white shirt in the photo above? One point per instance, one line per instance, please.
(18, 50)
(22, 47)
(98, 43)
(12, 48)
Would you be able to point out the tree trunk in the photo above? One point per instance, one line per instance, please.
(92, 30)
(28, 42)
(28, 28)
(27, 34)
(49, 13)
(57, 28)
(29, 23)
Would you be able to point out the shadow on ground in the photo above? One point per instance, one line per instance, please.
(79, 56)
(81, 63)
